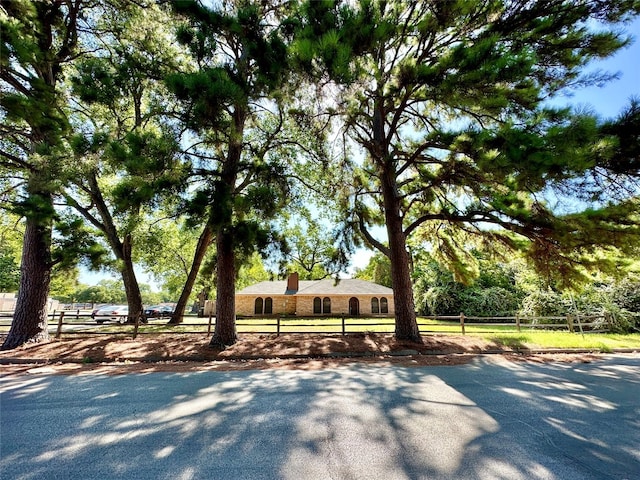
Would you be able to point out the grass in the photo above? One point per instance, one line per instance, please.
(603, 342)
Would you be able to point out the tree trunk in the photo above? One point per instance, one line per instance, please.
(131, 286)
(225, 331)
(53, 38)
(201, 249)
(29, 323)
(121, 249)
(405, 316)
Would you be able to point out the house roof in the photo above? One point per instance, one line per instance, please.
(328, 286)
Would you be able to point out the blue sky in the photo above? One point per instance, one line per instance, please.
(608, 101)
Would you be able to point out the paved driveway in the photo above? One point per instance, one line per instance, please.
(485, 420)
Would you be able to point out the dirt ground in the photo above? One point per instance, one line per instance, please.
(114, 354)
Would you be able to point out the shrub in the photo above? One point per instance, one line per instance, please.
(545, 303)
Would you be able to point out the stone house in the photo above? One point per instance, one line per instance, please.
(309, 298)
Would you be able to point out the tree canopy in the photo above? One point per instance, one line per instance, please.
(445, 104)
(432, 122)
(126, 149)
(231, 103)
(37, 42)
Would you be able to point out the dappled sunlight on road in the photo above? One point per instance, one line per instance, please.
(22, 387)
(591, 402)
(353, 422)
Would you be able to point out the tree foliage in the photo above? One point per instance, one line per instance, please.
(430, 120)
(309, 246)
(497, 290)
(11, 233)
(9, 272)
(445, 102)
(378, 270)
(232, 104)
(37, 42)
(127, 152)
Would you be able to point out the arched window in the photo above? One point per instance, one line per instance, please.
(258, 306)
(384, 305)
(375, 305)
(317, 305)
(268, 306)
(326, 305)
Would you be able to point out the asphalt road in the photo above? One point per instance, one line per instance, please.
(484, 420)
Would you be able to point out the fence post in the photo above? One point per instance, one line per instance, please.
(579, 325)
(209, 325)
(570, 322)
(608, 321)
(462, 322)
(518, 321)
(136, 325)
(77, 314)
(278, 327)
(60, 319)
(344, 327)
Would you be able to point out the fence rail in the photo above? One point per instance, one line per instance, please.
(594, 323)
(81, 322)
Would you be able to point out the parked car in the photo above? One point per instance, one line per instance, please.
(155, 311)
(97, 309)
(111, 313)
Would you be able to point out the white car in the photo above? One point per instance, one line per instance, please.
(112, 313)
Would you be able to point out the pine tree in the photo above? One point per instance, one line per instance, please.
(445, 101)
(127, 155)
(232, 105)
(37, 41)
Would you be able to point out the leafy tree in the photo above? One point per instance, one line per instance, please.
(445, 101)
(106, 291)
(64, 284)
(252, 272)
(127, 156)
(232, 105)
(174, 253)
(11, 233)
(166, 250)
(38, 40)
(309, 246)
(9, 272)
(112, 292)
(626, 294)
(545, 303)
(497, 290)
(378, 270)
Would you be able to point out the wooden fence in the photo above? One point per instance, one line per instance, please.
(594, 323)
(81, 322)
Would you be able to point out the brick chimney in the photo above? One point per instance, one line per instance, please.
(292, 282)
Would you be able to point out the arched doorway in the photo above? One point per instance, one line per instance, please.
(354, 306)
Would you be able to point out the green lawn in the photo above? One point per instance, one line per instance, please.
(604, 342)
